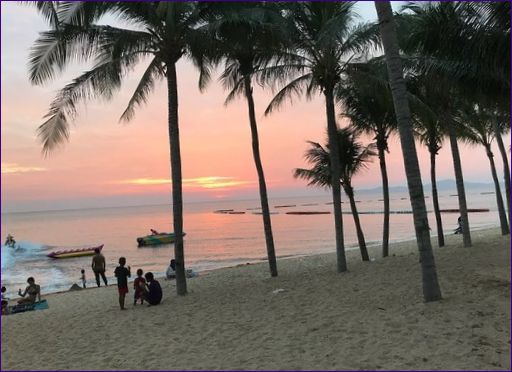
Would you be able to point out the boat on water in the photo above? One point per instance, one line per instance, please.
(74, 252)
(156, 239)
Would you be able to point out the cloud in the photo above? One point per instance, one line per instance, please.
(212, 182)
(14, 168)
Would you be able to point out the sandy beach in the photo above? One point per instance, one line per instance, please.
(310, 317)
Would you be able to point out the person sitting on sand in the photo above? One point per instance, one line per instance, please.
(5, 301)
(458, 230)
(171, 270)
(33, 290)
(152, 290)
(138, 287)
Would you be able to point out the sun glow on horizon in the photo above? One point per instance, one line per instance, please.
(212, 182)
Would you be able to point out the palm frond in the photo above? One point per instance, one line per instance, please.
(53, 132)
(315, 177)
(145, 86)
(237, 89)
(293, 89)
(53, 50)
(99, 82)
(353, 155)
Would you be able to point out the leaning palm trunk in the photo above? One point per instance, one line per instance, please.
(269, 239)
(435, 199)
(499, 198)
(506, 169)
(431, 290)
(335, 177)
(177, 199)
(385, 192)
(360, 236)
(459, 180)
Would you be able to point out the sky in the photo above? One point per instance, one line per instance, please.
(108, 163)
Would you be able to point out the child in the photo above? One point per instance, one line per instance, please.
(138, 286)
(82, 277)
(122, 274)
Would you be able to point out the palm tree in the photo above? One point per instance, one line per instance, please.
(431, 290)
(246, 36)
(366, 100)
(324, 43)
(353, 157)
(478, 129)
(430, 132)
(162, 32)
(501, 126)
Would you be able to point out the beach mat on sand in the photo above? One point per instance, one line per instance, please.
(41, 305)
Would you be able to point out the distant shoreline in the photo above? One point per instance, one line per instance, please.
(443, 186)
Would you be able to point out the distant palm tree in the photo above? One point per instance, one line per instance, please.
(246, 36)
(418, 43)
(478, 129)
(472, 55)
(353, 157)
(431, 290)
(325, 40)
(162, 33)
(366, 100)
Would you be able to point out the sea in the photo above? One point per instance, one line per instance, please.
(212, 241)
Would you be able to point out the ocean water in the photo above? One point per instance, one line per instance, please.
(213, 240)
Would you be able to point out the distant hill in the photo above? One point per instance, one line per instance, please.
(442, 185)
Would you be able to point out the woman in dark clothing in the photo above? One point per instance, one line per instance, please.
(152, 290)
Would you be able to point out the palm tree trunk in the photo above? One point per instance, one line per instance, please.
(435, 199)
(499, 198)
(459, 180)
(360, 236)
(269, 238)
(431, 290)
(385, 192)
(335, 179)
(506, 169)
(177, 198)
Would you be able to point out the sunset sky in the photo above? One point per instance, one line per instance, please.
(110, 163)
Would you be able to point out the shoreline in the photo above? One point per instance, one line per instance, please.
(309, 317)
(372, 247)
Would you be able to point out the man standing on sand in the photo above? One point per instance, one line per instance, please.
(98, 267)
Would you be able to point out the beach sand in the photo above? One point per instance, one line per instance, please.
(372, 317)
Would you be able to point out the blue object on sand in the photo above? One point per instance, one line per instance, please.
(21, 308)
(41, 305)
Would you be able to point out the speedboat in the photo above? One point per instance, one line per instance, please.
(157, 239)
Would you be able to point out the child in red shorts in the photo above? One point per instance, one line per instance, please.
(138, 286)
(122, 274)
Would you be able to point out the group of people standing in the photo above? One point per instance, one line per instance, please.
(146, 287)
